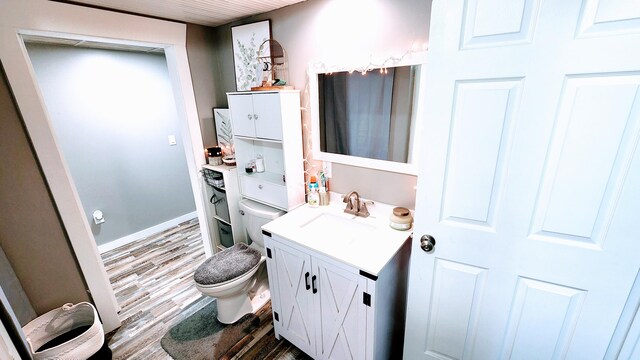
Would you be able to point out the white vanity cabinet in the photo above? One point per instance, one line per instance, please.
(267, 124)
(332, 310)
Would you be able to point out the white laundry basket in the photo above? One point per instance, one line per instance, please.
(59, 321)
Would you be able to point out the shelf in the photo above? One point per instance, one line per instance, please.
(221, 248)
(248, 138)
(217, 188)
(249, 92)
(221, 220)
(274, 178)
(219, 168)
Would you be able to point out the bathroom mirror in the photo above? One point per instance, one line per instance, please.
(368, 118)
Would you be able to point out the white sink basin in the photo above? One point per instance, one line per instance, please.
(366, 243)
(336, 224)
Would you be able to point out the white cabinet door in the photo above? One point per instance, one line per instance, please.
(529, 181)
(267, 116)
(242, 119)
(342, 321)
(293, 280)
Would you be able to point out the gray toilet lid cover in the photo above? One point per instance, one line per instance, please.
(226, 265)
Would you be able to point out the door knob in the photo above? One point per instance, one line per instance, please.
(427, 243)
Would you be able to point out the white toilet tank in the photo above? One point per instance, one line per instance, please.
(254, 216)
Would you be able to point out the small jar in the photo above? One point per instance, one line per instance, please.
(400, 219)
(215, 155)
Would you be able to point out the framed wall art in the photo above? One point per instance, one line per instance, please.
(224, 130)
(246, 41)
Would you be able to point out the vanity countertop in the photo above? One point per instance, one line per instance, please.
(365, 243)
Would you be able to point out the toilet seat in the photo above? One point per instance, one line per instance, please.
(227, 266)
(240, 278)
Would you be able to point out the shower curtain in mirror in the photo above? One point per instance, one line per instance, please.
(357, 113)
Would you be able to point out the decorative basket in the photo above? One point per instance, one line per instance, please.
(213, 178)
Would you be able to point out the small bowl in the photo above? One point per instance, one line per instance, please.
(229, 160)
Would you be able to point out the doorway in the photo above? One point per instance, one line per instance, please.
(63, 22)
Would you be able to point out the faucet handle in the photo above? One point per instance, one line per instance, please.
(363, 211)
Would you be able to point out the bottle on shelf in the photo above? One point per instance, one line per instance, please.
(259, 163)
(313, 199)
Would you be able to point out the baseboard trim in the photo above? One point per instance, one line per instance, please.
(146, 232)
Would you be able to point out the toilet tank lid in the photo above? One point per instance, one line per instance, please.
(260, 210)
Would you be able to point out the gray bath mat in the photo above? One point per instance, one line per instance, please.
(202, 336)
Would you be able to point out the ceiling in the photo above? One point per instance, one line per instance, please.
(203, 12)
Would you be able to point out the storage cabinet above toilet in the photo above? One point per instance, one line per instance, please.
(268, 124)
(257, 115)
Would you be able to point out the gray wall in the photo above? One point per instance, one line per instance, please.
(112, 112)
(339, 32)
(202, 62)
(31, 234)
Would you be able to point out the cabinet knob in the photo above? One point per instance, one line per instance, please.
(249, 116)
(260, 186)
(255, 116)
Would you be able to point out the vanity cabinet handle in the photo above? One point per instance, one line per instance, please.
(313, 282)
(306, 281)
(260, 187)
(249, 116)
(255, 116)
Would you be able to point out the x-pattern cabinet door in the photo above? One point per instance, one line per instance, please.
(341, 329)
(296, 313)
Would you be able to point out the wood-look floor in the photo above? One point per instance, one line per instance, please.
(153, 282)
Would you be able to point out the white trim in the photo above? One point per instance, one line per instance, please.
(7, 348)
(64, 21)
(145, 232)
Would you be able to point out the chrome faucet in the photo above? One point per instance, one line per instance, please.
(354, 205)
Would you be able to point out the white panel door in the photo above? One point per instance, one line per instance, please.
(267, 115)
(293, 281)
(342, 317)
(529, 182)
(241, 109)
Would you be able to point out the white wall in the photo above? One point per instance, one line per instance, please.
(112, 112)
(340, 32)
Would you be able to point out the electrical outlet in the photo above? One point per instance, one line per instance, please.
(326, 167)
(172, 140)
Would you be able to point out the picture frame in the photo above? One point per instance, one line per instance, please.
(246, 40)
(224, 130)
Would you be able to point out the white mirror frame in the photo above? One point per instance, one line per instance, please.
(411, 168)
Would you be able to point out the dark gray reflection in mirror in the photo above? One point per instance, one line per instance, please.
(367, 115)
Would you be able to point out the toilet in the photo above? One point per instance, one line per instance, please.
(237, 276)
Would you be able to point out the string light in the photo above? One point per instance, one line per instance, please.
(311, 166)
(392, 61)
